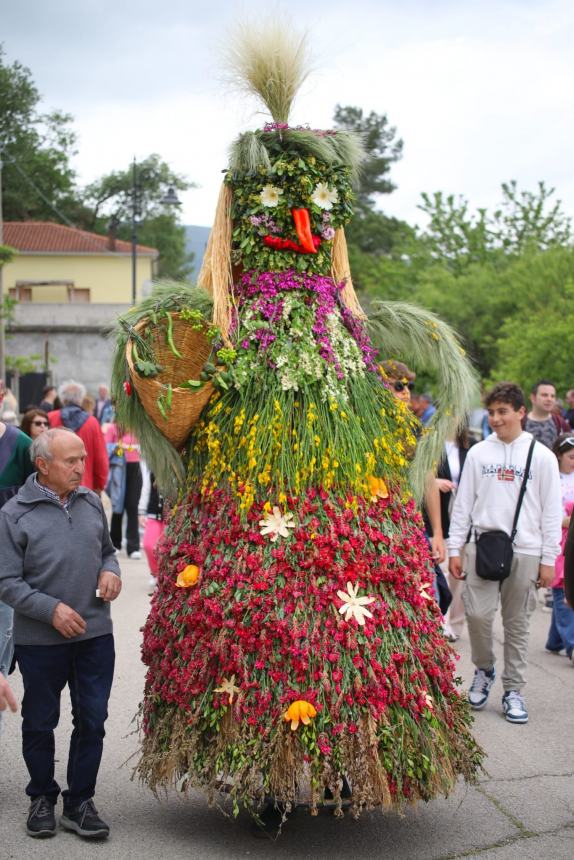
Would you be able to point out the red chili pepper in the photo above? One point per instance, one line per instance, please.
(128, 388)
(302, 222)
(280, 244)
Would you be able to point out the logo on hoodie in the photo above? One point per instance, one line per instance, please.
(503, 471)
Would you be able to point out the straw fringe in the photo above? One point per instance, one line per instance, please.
(341, 271)
(215, 275)
(178, 751)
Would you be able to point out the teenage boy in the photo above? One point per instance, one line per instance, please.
(486, 501)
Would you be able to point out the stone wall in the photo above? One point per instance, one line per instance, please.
(74, 335)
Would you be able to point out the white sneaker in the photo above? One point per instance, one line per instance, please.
(480, 688)
(449, 634)
(514, 707)
(135, 555)
(152, 585)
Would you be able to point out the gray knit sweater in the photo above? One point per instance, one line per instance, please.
(48, 556)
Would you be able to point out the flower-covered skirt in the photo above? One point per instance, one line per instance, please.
(306, 649)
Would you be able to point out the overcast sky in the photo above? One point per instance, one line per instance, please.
(481, 91)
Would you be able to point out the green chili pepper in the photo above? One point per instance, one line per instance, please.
(135, 352)
(169, 336)
(161, 407)
(169, 396)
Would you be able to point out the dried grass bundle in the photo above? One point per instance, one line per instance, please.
(215, 275)
(341, 271)
(270, 61)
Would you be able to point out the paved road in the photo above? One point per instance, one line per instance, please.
(523, 807)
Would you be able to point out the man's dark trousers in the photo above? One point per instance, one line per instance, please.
(88, 668)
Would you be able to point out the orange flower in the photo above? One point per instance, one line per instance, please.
(377, 488)
(299, 711)
(188, 576)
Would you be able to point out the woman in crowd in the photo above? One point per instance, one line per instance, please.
(448, 478)
(34, 422)
(124, 487)
(151, 513)
(15, 467)
(561, 633)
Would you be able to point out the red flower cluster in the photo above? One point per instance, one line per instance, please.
(268, 614)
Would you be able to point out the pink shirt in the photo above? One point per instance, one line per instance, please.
(128, 442)
(558, 581)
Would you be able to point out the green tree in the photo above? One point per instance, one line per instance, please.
(523, 221)
(35, 148)
(537, 340)
(109, 200)
(371, 231)
(475, 303)
(382, 146)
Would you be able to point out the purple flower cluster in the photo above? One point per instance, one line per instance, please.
(327, 232)
(267, 289)
(265, 221)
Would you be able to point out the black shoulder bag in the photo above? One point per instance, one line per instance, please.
(494, 549)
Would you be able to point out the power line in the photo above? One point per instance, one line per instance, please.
(40, 193)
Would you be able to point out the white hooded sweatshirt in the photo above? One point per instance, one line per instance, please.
(488, 493)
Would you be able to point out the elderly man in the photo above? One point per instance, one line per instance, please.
(72, 416)
(59, 573)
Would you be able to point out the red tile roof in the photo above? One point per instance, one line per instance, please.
(44, 237)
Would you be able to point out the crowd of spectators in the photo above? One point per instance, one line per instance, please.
(511, 472)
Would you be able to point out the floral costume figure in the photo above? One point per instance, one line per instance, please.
(293, 644)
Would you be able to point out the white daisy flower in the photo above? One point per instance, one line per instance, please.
(270, 195)
(323, 197)
(354, 606)
(276, 524)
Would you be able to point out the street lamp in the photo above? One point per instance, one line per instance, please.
(170, 198)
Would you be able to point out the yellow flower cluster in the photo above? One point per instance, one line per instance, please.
(293, 448)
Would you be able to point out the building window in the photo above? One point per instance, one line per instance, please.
(58, 292)
(79, 294)
(20, 294)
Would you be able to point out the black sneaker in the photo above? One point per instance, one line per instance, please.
(85, 821)
(41, 821)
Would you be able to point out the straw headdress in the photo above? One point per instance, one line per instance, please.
(271, 62)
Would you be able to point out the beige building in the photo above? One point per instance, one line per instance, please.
(65, 265)
(70, 285)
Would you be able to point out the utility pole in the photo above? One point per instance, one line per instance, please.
(135, 214)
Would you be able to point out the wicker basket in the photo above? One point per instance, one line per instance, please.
(186, 404)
